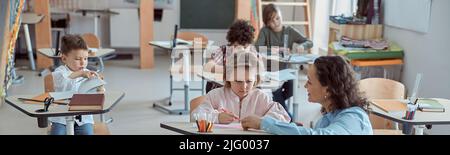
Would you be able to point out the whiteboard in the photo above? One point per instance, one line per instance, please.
(408, 14)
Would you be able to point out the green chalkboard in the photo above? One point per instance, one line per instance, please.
(206, 14)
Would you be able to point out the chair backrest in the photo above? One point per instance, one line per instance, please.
(379, 88)
(48, 83)
(194, 104)
(91, 40)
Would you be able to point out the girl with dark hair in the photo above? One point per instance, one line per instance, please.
(332, 84)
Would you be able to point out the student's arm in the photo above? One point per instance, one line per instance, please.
(261, 41)
(273, 109)
(83, 73)
(213, 67)
(278, 112)
(206, 107)
(348, 124)
(304, 42)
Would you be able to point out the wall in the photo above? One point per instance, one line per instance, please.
(427, 54)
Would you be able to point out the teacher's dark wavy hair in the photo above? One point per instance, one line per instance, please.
(335, 73)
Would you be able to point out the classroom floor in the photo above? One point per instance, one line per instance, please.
(134, 115)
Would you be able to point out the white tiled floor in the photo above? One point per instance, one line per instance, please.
(134, 114)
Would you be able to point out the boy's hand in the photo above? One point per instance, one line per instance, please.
(101, 89)
(89, 74)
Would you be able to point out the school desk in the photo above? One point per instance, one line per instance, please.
(111, 99)
(27, 19)
(265, 84)
(186, 51)
(420, 119)
(99, 54)
(188, 128)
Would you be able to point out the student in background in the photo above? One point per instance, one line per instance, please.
(68, 77)
(239, 97)
(330, 83)
(273, 35)
(239, 36)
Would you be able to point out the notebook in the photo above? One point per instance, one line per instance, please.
(390, 105)
(86, 102)
(430, 105)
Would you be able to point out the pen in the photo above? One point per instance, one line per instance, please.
(226, 111)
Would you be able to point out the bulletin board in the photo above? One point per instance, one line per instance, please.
(412, 15)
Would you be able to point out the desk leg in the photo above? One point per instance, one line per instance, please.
(101, 65)
(419, 129)
(186, 77)
(295, 96)
(29, 48)
(70, 122)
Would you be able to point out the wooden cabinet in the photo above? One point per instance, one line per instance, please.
(355, 31)
(359, 32)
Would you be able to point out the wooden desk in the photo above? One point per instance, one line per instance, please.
(111, 99)
(420, 118)
(187, 128)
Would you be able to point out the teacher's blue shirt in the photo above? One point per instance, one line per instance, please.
(350, 121)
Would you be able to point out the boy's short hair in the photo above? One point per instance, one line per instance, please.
(243, 60)
(241, 32)
(72, 42)
(268, 12)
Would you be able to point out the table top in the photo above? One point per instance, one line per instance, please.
(420, 118)
(293, 58)
(111, 99)
(167, 45)
(31, 18)
(102, 52)
(188, 128)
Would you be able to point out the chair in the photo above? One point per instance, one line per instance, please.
(93, 42)
(99, 128)
(194, 104)
(177, 66)
(379, 88)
